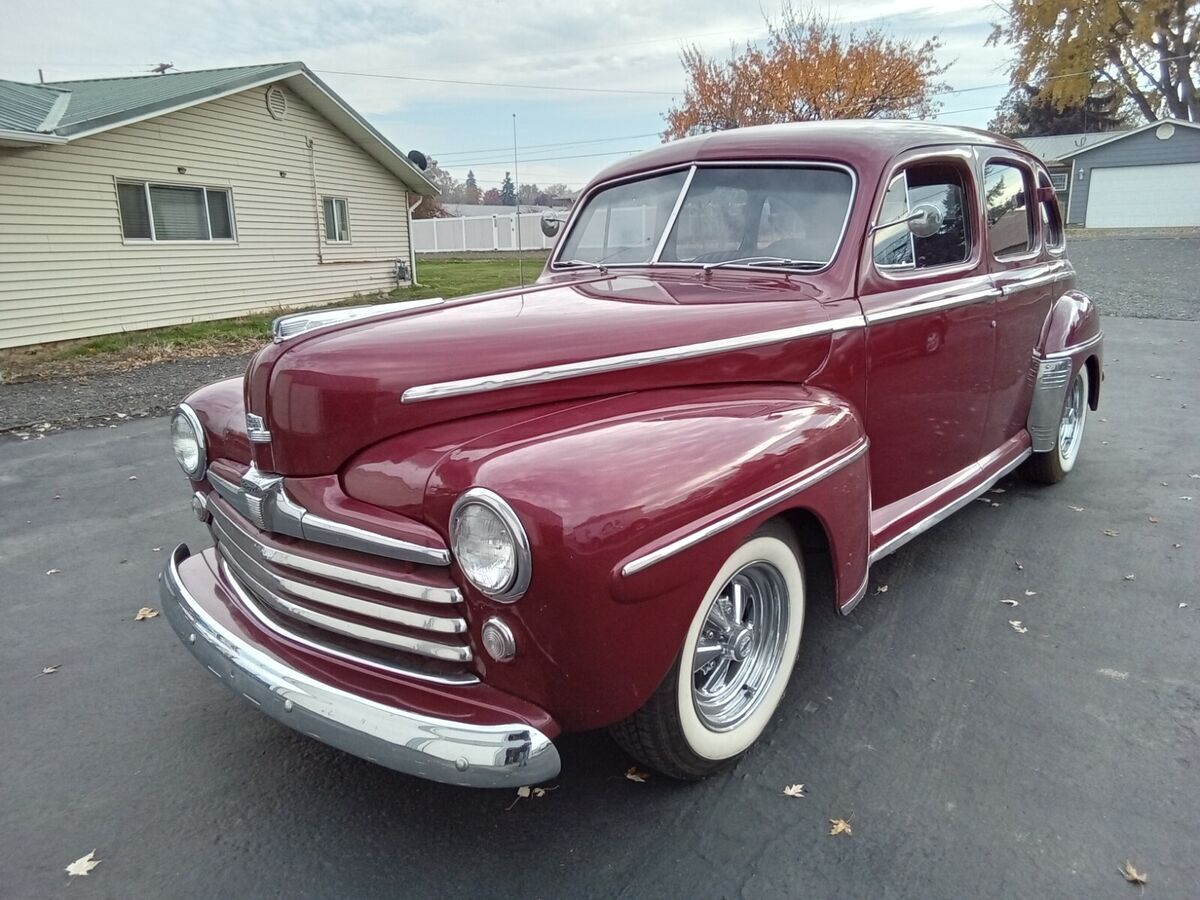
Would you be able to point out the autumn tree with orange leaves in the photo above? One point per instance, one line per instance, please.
(808, 69)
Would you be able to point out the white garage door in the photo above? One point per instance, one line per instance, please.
(1144, 196)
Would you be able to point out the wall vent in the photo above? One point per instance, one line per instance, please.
(277, 104)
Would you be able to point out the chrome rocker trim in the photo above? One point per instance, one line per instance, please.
(483, 383)
(492, 756)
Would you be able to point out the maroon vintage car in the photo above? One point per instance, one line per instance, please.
(446, 532)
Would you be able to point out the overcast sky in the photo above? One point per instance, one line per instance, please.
(629, 47)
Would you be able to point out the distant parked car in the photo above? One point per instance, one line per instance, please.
(446, 532)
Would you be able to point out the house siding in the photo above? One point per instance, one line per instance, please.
(66, 272)
(1143, 149)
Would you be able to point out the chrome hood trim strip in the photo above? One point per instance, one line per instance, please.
(483, 383)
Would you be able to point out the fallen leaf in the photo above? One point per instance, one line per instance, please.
(523, 792)
(83, 865)
(133, 478)
(1177, 546)
(794, 790)
(156, 549)
(1076, 508)
(995, 504)
(983, 499)
(1031, 593)
(882, 589)
(49, 670)
(1129, 577)
(1194, 475)
(1108, 532)
(1164, 484)
(996, 491)
(1010, 602)
(1183, 606)
(145, 613)
(633, 773)
(1154, 520)
(53, 571)
(839, 826)
(1132, 875)
(1185, 498)
(1019, 566)
(1017, 626)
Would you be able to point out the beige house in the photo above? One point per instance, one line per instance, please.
(130, 203)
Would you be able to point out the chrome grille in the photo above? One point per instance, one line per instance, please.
(413, 624)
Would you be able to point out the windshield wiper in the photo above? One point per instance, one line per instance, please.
(603, 270)
(781, 261)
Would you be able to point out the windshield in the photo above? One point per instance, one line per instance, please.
(763, 215)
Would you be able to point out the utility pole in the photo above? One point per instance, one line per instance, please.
(517, 189)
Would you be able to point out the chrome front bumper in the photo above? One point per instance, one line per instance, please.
(495, 756)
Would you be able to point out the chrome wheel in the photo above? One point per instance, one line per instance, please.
(1070, 429)
(740, 646)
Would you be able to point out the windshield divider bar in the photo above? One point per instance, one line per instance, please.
(662, 241)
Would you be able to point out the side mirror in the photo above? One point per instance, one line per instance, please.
(551, 225)
(1045, 194)
(925, 220)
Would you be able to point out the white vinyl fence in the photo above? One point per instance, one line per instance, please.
(456, 235)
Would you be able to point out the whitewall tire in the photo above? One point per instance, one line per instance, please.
(733, 667)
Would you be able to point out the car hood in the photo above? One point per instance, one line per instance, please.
(331, 392)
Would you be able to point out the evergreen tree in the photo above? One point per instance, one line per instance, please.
(508, 192)
(471, 192)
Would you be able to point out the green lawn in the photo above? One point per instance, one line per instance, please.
(439, 277)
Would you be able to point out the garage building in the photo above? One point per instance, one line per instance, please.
(1148, 177)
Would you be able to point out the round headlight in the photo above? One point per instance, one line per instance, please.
(187, 440)
(490, 545)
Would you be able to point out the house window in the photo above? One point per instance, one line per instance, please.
(337, 219)
(940, 186)
(174, 212)
(1059, 180)
(1004, 195)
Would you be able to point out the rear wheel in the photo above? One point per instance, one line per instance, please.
(734, 665)
(1056, 464)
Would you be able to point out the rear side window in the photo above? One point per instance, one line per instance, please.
(940, 186)
(1052, 226)
(1005, 199)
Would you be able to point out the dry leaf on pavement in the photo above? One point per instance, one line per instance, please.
(49, 670)
(1108, 532)
(794, 790)
(1008, 602)
(633, 773)
(1019, 566)
(1129, 577)
(53, 571)
(1031, 593)
(145, 613)
(882, 589)
(1154, 520)
(1017, 626)
(839, 826)
(1076, 508)
(83, 865)
(1132, 875)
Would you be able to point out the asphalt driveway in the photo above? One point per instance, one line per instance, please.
(970, 759)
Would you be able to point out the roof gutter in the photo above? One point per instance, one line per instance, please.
(27, 138)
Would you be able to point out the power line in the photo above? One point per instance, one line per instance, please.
(504, 162)
(502, 84)
(626, 137)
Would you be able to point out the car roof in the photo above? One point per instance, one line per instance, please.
(864, 144)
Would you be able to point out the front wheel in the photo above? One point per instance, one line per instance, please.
(1054, 465)
(733, 667)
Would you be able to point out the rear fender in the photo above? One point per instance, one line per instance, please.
(1070, 339)
(631, 505)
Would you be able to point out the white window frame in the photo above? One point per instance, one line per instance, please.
(337, 220)
(153, 239)
(1066, 180)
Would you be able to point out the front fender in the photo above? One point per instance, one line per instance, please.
(603, 486)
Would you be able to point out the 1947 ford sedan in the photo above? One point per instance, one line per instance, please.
(446, 532)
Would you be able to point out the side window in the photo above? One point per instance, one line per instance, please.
(1052, 226)
(938, 185)
(1010, 229)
